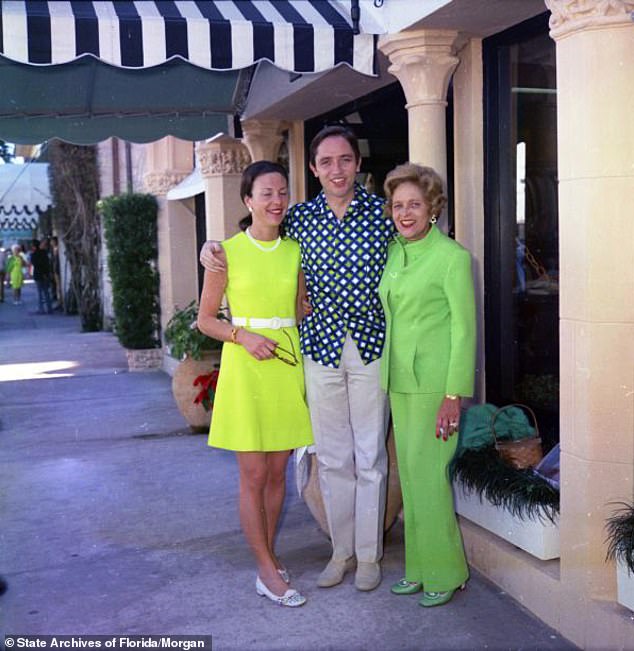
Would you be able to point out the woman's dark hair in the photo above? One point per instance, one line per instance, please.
(329, 132)
(252, 172)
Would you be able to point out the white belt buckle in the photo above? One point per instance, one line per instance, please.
(276, 323)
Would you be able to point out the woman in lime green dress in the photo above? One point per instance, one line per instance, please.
(15, 270)
(260, 409)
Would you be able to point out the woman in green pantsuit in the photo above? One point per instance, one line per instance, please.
(428, 365)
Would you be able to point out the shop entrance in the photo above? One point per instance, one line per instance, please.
(379, 120)
(521, 233)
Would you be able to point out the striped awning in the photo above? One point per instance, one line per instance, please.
(302, 36)
(24, 194)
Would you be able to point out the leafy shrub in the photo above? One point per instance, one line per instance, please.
(130, 225)
(620, 529)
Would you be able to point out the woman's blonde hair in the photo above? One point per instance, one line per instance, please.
(425, 178)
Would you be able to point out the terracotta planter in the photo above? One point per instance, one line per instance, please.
(184, 390)
(394, 500)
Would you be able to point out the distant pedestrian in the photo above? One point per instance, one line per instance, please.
(15, 271)
(57, 290)
(42, 275)
(3, 274)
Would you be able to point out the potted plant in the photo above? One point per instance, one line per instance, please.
(130, 226)
(194, 380)
(620, 539)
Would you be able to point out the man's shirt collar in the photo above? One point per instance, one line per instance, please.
(361, 198)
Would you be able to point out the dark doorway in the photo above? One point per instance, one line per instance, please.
(379, 120)
(201, 234)
(521, 232)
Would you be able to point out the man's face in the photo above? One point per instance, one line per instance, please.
(336, 167)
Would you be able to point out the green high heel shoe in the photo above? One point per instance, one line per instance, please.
(431, 599)
(406, 587)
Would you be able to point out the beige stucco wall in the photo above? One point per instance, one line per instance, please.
(469, 178)
(168, 162)
(296, 155)
(595, 82)
(113, 166)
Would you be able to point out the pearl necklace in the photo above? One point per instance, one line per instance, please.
(266, 249)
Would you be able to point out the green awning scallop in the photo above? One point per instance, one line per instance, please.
(87, 101)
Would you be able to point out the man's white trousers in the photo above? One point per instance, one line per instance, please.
(349, 414)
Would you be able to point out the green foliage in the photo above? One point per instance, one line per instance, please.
(620, 528)
(184, 338)
(521, 492)
(131, 234)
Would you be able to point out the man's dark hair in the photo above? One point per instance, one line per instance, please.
(329, 132)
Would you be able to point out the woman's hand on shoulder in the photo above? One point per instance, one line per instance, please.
(213, 257)
(256, 345)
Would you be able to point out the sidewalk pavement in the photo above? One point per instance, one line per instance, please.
(116, 520)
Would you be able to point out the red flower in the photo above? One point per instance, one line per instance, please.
(207, 393)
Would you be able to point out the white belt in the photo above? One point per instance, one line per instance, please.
(274, 324)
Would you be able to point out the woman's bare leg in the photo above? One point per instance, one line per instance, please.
(253, 517)
(274, 494)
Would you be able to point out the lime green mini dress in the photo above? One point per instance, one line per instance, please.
(260, 406)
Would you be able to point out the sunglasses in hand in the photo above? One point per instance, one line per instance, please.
(284, 355)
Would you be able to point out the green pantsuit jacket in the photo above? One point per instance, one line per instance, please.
(427, 294)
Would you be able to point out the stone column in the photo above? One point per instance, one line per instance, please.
(221, 161)
(297, 171)
(168, 162)
(263, 138)
(468, 184)
(423, 61)
(595, 99)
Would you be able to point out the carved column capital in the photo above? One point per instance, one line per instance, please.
(160, 183)
(570, 16)
(263, 138)
(222, 156)
(423, 61)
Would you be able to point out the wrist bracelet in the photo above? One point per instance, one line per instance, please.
(234, 334)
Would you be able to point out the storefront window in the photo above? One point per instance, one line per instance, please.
(522, 253)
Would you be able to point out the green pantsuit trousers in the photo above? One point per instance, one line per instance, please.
(434, 554)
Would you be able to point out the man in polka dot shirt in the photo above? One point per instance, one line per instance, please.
(343, 235)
